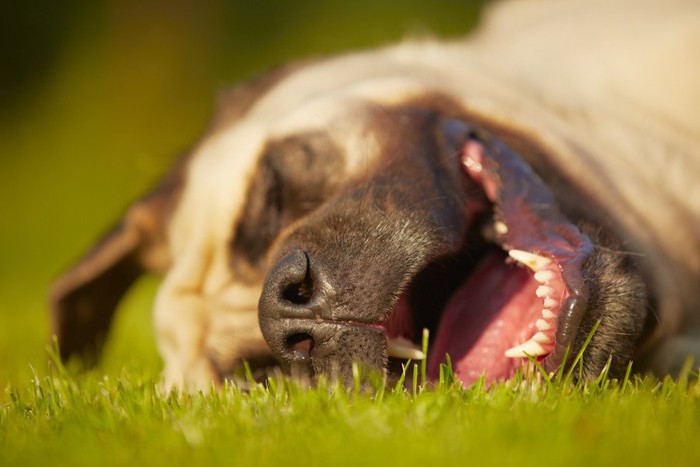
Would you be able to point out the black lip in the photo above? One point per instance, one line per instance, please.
(323, 332)
(336, 348)
(571, 313)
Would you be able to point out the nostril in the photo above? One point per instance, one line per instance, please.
(300, 344)
(300, 292)
(296, 288)
(293, 278)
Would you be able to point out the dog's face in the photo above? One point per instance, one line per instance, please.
(336, 209)
(353, 233)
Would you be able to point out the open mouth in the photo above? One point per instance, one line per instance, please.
(523, 294)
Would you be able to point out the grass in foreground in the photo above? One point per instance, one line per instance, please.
(98, 420)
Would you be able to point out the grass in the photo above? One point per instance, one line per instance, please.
(127, 419)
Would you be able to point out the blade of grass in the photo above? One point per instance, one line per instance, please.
(579, 356)
(398, 387)
(424, 362)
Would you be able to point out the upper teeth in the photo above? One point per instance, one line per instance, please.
(547, 314)
(542, 338)
(542, 342)
(544, 291)
(531, 260)
(544, 276)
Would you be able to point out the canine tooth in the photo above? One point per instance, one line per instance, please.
(549, 302)
(531, 260)
(400, 347)
(544, 276)
(543, 325)
(544, 291)
(542, 338)
(547, 314)
(528, 348)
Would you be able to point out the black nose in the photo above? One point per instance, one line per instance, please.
(296, 295)
(296, 288)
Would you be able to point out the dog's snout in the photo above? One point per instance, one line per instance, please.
(296, 310)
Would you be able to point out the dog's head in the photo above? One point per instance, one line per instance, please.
(336, 210)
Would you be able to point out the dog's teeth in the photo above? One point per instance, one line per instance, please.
(531, 260)
(542, 338)
(493, 231)
(529, 348)
(549, 302)
(500, 228)
(544, 291)
(547, 314)
(400, 347)
(544, 276)
(543, 325)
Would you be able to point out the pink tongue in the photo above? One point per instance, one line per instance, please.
(494, 310)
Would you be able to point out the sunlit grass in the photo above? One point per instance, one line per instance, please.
(128, 419)
(117, 414)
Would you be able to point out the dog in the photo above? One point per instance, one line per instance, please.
(526, 192)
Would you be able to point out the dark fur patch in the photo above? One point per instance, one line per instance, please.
(619, 301)
(294, 177)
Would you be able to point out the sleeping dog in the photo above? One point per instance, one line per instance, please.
(511, 192)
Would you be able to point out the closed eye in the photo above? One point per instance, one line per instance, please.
(294, 176)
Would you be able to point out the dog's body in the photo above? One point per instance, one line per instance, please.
(339, 181)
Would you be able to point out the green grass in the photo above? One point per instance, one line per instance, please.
(126, 420)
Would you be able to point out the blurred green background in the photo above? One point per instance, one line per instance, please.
(98, 96)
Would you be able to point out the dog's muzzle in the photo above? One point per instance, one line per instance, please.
(338, 290)
(296, 312)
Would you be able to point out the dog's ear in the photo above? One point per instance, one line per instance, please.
(84, 298)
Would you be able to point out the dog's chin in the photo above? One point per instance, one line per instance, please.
(519, 294)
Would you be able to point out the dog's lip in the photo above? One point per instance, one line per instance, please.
(398, 346)
(321, 332)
